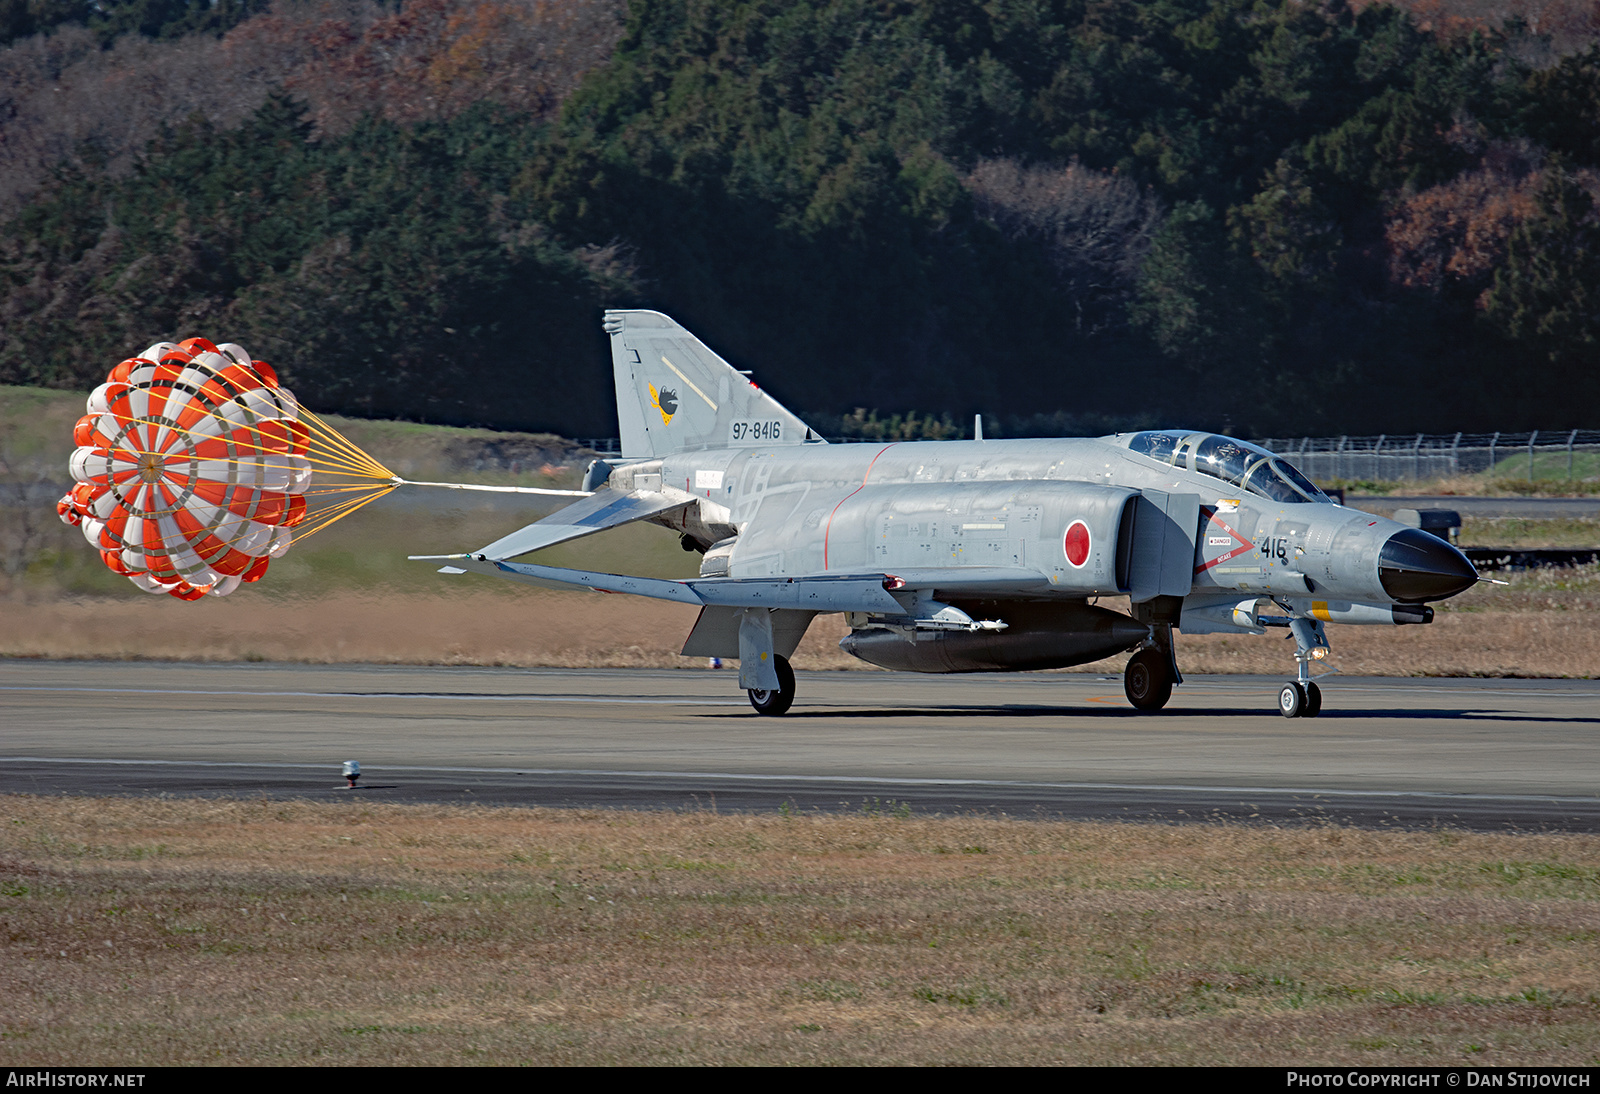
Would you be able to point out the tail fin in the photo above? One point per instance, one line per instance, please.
(675, 395)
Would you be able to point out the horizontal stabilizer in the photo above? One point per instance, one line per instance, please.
(601, 510)
(821, 593)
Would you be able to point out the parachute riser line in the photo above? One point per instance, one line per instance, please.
(342, 510)
(493, 489)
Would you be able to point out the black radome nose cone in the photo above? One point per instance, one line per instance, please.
(1417, 565)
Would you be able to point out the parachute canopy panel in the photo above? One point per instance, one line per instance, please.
(194, 469)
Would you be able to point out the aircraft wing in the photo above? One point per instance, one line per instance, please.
(820, 593)
(601, 510)
(946, 582)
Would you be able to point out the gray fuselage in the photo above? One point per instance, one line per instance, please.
(860, 508)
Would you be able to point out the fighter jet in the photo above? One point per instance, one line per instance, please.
(969, 556)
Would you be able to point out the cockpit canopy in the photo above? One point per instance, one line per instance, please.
(1240, 463)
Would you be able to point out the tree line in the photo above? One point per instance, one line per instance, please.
(1262, 216)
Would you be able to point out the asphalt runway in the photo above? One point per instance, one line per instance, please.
(1482, 754)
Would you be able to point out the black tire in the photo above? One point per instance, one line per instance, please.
(1146, 681)
(1313, 702)
(1291, 701)
(773, 703)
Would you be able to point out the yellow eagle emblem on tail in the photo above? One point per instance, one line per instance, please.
(664, 401)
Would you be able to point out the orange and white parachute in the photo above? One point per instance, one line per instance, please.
(194, 470)
(193, 467)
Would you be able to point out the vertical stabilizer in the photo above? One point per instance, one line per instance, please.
(675, 395)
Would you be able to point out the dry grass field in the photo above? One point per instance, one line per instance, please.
(183, 932)
(1539, 625)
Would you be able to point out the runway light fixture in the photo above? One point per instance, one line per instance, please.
(351, 771)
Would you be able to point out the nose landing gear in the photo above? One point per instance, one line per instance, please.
(1298, 700)
(1302, 698)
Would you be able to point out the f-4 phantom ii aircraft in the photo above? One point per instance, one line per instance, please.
(969, 556)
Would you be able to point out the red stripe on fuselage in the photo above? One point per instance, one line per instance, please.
(1244, 545)
(828, 531)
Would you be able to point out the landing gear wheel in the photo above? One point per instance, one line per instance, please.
(1313, 702)
(775, 702)
(1146, 680)
(1291, 701)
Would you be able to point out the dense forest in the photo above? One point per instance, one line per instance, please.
(1267, 216)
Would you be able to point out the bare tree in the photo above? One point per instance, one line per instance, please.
(433, 58)
(61, 96)
(1450, 238)
(1566, 26)
(1095, 228)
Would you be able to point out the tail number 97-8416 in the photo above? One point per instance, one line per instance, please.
(745, 430)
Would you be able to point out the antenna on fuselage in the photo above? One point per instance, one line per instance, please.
(977, 427)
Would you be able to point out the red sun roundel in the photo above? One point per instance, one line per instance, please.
(1076, 543)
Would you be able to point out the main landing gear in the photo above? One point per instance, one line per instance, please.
(779, 701)
(1146, 682)
(1148, 679)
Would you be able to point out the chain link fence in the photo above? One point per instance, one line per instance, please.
(1567, 454)
(1411, 457)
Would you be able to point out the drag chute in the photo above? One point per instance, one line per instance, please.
(195, 468)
